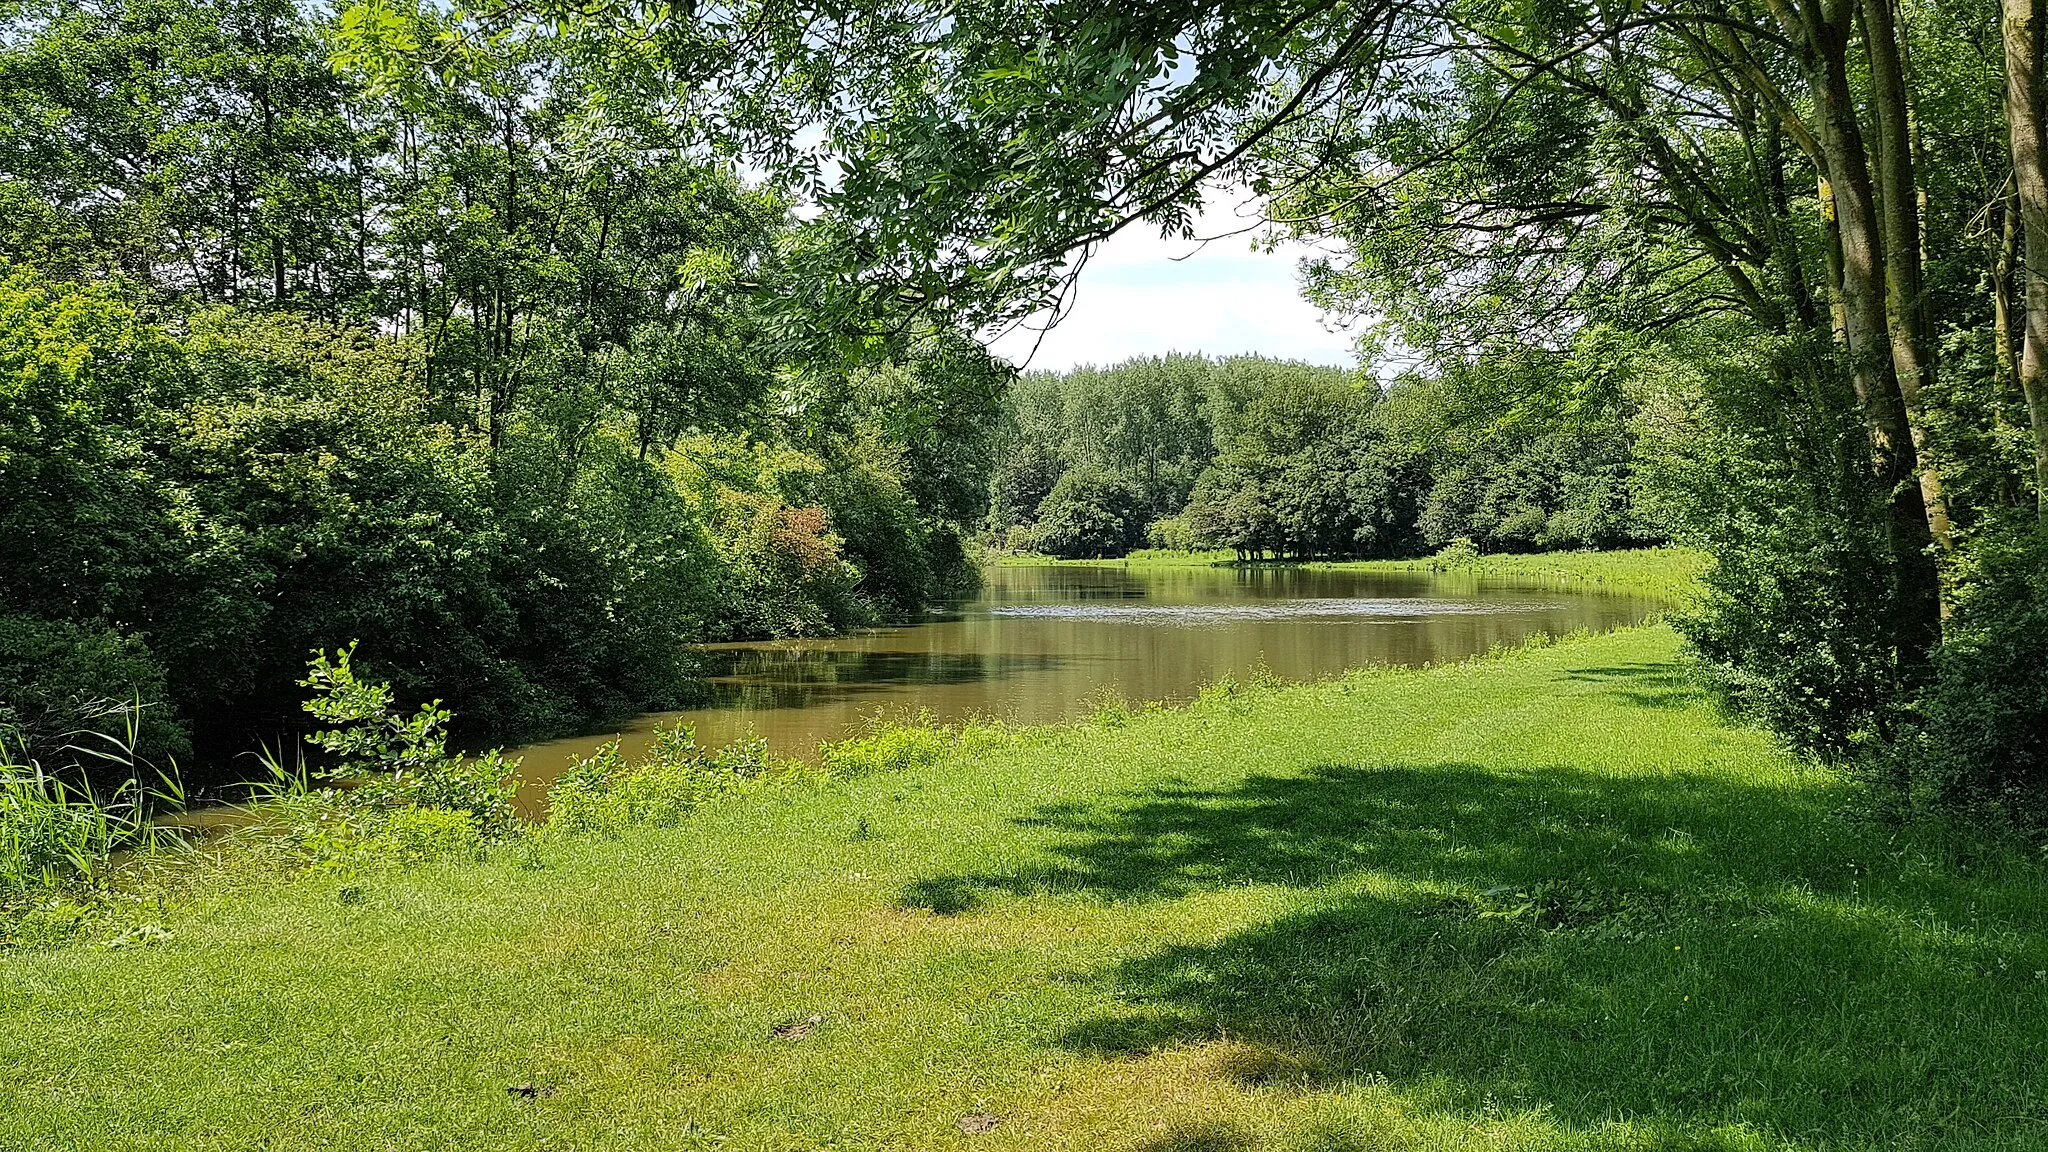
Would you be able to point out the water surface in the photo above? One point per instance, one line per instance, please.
(1047, 643)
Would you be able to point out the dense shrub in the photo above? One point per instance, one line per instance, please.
(84, 525)
(1170, 534)
(320, 503)
(904, 557)
(1980, 746)
(259, 394)
(1757, 459)
(782, 570)
(194, 512)
(64, 684)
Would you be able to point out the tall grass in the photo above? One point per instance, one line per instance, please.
(56, 829)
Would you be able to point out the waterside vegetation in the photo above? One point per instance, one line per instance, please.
(1669, 574)
(1549, 899)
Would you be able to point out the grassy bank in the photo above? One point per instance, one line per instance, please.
(1545, 901)
(1666, 573)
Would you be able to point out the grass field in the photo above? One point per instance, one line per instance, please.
(1543, 901)
(1667, 573)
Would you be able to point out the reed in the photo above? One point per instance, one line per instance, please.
(56, 829)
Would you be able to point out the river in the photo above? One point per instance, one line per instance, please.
(1048, 643)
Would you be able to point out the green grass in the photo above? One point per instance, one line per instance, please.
(1543, 901)
(1666, 573)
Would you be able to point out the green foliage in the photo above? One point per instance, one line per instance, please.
(782, 569)
(400, 763)
(290, 359)
(1136, 435)
(1170, 534)
(59, 679)
(1089, 513)
(915, 743)
(1975, 747)
(81, 515)
(1752, 457)
(1459, 553)
(417, 835)
(1287, 460)
(1281, 482)
(893, 748)
(602, 793)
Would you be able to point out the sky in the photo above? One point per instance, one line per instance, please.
(1143, 296)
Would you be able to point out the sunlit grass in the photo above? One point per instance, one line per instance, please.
(1670, 574)
(1544, 901)
(1666, 573)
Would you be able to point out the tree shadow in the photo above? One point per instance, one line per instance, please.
(1678, 949)
(1651, 685)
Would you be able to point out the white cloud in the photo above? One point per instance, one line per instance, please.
(1140, 295)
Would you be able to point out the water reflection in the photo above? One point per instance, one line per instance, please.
(794, 677)
(1039, 644)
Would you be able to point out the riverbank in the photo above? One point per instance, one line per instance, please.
(1670, 574)
(1546, 900)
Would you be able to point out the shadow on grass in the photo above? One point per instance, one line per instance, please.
(1650, 685)
(1686, 951)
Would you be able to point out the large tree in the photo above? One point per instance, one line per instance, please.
(1493, 173)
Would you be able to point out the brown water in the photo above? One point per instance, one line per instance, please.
(1046, 643)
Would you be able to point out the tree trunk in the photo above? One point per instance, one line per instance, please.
(2004, 257)
(1898, 205)
(1867, 338)
(2022, 31)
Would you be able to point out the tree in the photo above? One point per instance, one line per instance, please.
(1090, 514)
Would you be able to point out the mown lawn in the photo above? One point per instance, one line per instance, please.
(1546, 901)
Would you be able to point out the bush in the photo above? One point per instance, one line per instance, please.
(397, 762)
(1090, 513)
(1459, 553)
(887, 747)
(1760, 459)
(1980, 748)
(60, 680)
(1170, 534)
(603, 793)
(415, 835)
(781, 565)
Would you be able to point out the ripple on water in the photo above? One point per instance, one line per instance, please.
(1373, 608)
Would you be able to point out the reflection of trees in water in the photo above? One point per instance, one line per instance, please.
(784, 678)
(1030, 669)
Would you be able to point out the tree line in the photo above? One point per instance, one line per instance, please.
(1289, 461)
